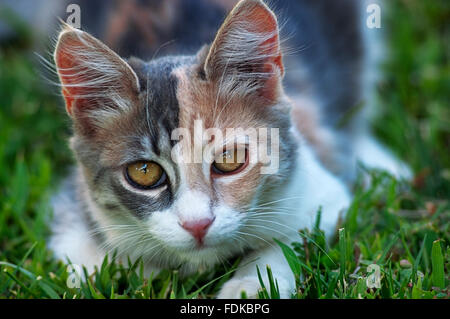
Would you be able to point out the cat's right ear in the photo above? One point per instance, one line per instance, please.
(96, 83)
(246, 53)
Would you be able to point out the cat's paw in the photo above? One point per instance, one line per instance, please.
(233, 288)
(372, 154)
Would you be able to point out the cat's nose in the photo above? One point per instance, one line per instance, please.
(198, 228)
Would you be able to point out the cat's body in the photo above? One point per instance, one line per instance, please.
(126, 112)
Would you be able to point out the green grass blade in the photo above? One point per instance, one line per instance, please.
(291, 258)
(342, 255)
(437, 262)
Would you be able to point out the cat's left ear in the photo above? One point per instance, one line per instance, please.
(246, 52)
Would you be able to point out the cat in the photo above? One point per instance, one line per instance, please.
(136, 191)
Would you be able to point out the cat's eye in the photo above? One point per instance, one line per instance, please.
(145, 174)
(230, 162)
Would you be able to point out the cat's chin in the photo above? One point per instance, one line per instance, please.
(194, 260)
(199, 255)
(197, 250)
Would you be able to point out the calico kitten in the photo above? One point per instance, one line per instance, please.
(135, 189)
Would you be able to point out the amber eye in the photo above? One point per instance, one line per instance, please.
(230, 162)
(145, 174)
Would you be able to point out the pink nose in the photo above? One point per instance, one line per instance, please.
(198, 228)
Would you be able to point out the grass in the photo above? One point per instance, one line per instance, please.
(403, 228)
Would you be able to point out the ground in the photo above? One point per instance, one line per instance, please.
(400, 227)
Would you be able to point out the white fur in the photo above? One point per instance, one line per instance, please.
(71, 240)
(373, 155)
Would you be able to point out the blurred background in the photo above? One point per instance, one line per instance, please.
(414, 99)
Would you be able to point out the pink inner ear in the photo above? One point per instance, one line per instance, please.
(63, 62)
(261, 20)
(68, 68)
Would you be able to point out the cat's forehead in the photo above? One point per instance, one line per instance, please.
(175, 95)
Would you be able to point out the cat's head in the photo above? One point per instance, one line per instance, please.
(148, 188)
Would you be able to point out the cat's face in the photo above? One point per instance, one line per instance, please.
(158, 194)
